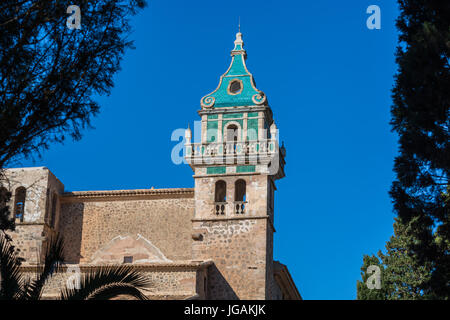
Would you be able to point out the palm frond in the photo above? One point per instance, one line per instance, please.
(11, 284)
(116, 289)
(53, 259)
(107, 281)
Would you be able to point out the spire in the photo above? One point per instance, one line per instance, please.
(188, 134)
(237, 86)
(239, 45)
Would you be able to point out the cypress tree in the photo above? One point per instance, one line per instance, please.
(417, 259)
(362, 289)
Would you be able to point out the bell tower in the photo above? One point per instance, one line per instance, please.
(235, 164)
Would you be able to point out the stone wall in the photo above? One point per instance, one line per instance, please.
(33, 230)
(237, 243)
(271, 286)
(35, 182)
(155, 227)
(238, 249)
(168, 281)
(256, 192)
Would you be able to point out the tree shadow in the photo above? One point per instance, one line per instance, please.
(218, 286)
(71, 227)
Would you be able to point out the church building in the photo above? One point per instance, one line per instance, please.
(213, 241)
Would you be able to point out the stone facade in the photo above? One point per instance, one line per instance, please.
(214, 241)
(42, 190)
(168, 280)
(172, 235)
(160, 219)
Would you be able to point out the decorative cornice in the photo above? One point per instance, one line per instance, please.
(224, 110)
(120, 194)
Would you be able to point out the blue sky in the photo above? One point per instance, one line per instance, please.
(328, 80)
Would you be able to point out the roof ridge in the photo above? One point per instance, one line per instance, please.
(131, 192)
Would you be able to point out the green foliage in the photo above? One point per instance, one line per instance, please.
(417, 259)
(50, 73)
(48, 77)
(363, 292)
(404, 276)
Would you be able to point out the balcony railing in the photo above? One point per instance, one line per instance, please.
(220, 208)
(265, 147)
(239, 207)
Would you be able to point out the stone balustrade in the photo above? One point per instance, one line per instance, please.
(239, 207)
(220, 208)
(224, 151)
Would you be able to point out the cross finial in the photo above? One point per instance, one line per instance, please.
(239, 24)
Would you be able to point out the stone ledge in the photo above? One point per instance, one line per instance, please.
(227, 174)
(235, 218)
(18, 224)
(125, 194)
(229, 218)
(176, 266)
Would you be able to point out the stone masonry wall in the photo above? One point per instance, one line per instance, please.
(166, 282)
(108, 229)
(237, 248)
(237, 243)
(32, 231)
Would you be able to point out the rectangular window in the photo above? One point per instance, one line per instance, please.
(128, 259)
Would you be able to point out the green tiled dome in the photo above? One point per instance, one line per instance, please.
(236, 86)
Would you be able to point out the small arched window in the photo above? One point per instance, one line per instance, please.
(221, 191)
(19, 203)
(231, 133)
(239, 190)
(239, 196)
(220, 197)
(4, 197)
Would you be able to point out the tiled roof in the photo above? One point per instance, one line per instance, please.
(249, 94)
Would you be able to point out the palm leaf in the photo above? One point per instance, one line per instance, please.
(11, 284)
(53, 259)
(115, 289)
(107, 281)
